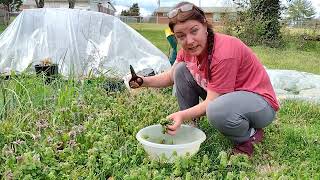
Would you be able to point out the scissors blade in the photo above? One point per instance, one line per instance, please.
(133, 74)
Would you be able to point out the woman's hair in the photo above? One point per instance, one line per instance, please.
(195, 14)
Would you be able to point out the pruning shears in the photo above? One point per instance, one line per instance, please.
(134, 78)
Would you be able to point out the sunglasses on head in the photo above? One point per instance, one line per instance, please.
(183, 8)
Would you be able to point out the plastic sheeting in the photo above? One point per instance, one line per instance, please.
(290, 84)
(79, 41)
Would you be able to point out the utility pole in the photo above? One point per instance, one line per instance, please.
(199, 3)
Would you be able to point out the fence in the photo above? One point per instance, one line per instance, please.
(314, 24)
(149, 19)
(138, 19)
(7, 17)
(4, 17)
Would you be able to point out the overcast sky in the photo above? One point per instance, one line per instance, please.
(148, 6)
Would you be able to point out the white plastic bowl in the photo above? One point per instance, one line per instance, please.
(187, 140)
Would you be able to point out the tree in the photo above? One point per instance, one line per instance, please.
(300, 10)
(133, 11)
(39, 3)
(124, 13)
(11, 4)
(258, 23)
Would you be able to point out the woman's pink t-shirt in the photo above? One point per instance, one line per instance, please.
(234, 67)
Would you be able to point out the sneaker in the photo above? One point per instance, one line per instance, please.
(258, 136)
(247, 146)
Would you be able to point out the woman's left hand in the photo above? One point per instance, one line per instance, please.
(177, 119)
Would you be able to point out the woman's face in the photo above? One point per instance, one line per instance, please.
(192, 36)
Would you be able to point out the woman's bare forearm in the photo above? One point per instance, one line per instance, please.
(161, 80)
(164, 79)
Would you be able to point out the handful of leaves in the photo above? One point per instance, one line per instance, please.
(164, 123)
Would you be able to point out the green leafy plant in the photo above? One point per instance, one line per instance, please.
(164, 123)
(258, 23)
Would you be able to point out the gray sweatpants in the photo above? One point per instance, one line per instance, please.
(233, 114)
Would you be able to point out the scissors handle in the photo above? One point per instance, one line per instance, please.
(134, 77)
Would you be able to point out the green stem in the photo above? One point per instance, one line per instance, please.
(4, 115)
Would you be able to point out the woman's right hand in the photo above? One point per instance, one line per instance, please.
(135, 82)
(177, 119)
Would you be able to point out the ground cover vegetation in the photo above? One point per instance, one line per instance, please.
(81, 130)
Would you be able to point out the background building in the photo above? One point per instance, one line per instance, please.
(213, 14)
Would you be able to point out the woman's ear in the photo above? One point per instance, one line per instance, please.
(205, 21)
(205, 26)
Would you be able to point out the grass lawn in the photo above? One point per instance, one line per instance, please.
(2, 28)
(77, 130)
